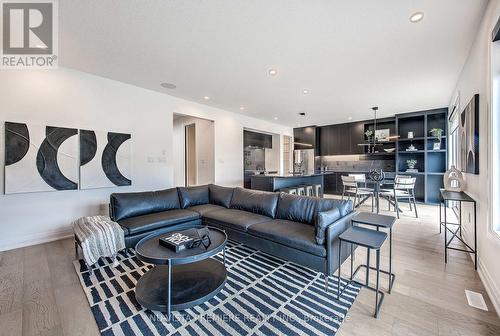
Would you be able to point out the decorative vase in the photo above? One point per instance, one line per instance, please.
(454, 180)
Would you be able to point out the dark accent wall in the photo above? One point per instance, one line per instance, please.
(256, 139)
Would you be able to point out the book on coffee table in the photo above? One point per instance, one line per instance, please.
(177, 241)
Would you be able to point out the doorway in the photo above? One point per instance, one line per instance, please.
(190, 155)
(194, 150)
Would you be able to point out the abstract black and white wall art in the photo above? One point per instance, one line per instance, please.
(469, 137)
(40, 158)
(104, 159)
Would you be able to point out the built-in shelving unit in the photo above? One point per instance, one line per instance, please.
(431, 163)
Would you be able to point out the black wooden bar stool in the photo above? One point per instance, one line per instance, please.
(379, 221)
(370, 239)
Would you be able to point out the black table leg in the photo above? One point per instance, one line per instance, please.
(445, 236)
(475, 237)
(377, 283)
(169, 292)
(460, 218)
(440, 221)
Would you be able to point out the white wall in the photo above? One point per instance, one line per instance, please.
(205, 150)
(475, 78)
(70, 98)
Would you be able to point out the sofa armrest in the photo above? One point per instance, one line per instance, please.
(333, 242)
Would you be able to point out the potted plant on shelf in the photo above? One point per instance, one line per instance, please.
(369, 134)
(437, 133)
(411, 163)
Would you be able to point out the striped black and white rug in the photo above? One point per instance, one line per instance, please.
(263, 296)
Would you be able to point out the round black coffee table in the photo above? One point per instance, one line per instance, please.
(180, 280)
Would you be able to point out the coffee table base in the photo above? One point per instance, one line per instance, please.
(192, 284)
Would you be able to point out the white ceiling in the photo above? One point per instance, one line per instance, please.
(351, 55)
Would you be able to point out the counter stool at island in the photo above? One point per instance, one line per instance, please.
(379, 221)
(370, 239)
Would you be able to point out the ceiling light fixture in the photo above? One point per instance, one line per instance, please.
(305, 91)
(275, 118)
(206, 98)
(302, 114)
(242, 108)
(417, 17)
(272, 72)
(168, 85)
(349, 118)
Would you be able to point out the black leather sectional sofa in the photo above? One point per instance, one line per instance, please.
(300, 229)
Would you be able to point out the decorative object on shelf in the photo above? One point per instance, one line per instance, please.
(382, 134)
(411, 148)
(453, 180)
(368, 135)
(410, 135)
(376, 175)
(389, 150)
(40, 158)
(411, 163)
(437, 133)
(469, 137)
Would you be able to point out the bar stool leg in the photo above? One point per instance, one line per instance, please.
(390, 260)
(352, 261)
(326, 282)
(367, 266)
(377, 284)
(338, 278)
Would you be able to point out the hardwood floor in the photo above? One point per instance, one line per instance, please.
(40, 293)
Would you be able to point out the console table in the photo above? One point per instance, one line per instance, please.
(456, 230)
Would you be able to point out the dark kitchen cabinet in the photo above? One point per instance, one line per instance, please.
(341, 139)
(330, 184)
(304, 137)
(255, 139)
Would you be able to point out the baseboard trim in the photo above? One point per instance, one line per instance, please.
(36, 238)
(486, 279)
(489, 285)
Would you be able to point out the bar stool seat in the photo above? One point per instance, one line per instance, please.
(378, 221)
(317, 190)
(301, 190)
(370, 239)
(289, 190)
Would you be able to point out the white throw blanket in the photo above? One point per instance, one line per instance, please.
(99, 237)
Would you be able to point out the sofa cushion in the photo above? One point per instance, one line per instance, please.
(126, 205)
(203, 209)
(220, 195)
(157, 220)
(292, 234)
(296, 208)
(190, 196)
(323, 220)
(258, 202)
(233, 219)
(324, 204)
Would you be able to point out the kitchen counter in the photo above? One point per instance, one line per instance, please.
(276, 182)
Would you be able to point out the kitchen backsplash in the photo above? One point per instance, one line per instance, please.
(354, 163)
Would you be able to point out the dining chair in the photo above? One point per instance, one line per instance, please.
(351, 188)
(404, 189)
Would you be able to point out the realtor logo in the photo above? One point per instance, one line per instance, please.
(29, 34)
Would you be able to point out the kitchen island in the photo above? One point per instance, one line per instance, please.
(275, 182)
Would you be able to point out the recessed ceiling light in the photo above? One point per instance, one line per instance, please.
(305, 91)
(302, 113)
(168, 85)
(206, 98)
(275, 118)
(417, 17)
(349, 118)
(242, 108)
(272, 72)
